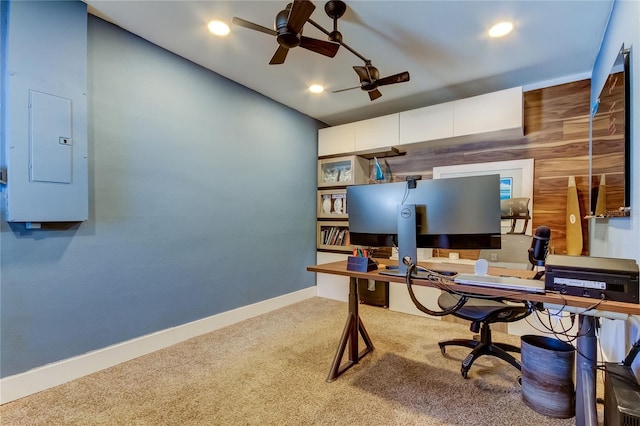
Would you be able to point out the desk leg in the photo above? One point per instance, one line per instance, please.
(350, 336)
(586, 358)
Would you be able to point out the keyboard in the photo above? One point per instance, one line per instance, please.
(502, 283)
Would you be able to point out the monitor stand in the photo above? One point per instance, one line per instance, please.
(407, 241)
(407, 245)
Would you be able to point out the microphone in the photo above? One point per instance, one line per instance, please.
(539, 246)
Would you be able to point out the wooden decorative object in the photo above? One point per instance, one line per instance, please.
(601, 203)
(574, 223)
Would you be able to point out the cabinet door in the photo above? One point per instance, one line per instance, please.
(426, 124)
(493, 112)
(332, 286)
(342, 171)
(337, 140)
(377, 132)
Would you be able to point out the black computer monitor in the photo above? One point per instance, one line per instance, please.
(453, 213)
(372, 213)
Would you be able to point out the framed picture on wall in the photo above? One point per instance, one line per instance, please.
(506, 188)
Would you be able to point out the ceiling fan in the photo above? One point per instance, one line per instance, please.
(370, 80)
(288, 31)
(369, 75)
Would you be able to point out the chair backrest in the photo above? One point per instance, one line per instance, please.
(515, 208)
(514, 252)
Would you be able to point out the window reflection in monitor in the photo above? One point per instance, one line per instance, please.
(453, 213)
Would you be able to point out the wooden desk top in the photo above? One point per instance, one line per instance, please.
(340, 268)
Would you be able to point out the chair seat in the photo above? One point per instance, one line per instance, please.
(481, 310)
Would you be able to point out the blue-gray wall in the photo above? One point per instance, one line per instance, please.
(201, 197)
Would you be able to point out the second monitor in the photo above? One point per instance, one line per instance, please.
(453, 213)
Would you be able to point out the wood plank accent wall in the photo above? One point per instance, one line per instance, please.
(556, 136)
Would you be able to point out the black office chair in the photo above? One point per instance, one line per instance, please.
(482, 313)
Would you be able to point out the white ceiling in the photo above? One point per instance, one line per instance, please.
(443, 44)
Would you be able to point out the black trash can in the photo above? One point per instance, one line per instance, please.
(547, 376)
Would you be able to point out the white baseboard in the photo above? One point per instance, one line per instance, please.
(57, 373)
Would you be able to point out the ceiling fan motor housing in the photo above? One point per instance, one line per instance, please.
(286, 38)
(368, 86)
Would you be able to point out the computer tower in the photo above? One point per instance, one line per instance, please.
(621, 396)
(372, 292)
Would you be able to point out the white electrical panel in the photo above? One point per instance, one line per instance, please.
(47, 156)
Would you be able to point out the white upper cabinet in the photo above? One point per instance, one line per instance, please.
(337, 140)
(426, 124)
(497, 115)
(379, 132)
(494, 112)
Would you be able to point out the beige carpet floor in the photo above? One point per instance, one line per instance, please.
(271, 370)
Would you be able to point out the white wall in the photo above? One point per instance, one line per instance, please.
(620, 237)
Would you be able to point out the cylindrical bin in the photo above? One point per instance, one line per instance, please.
(547, 376)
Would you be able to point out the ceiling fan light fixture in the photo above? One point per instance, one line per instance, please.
(501, 29)
(316, 88)
(218, 28)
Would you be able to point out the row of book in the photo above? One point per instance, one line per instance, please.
(334, 236)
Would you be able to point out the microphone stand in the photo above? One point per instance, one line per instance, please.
(536, 262)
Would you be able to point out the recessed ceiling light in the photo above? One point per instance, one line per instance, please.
(501, 29)
(218, 28)
(316, 88)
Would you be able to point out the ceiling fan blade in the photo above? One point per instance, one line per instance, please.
(392, 79)
(322, 47)
(301, 10)
(374, 94)
(363, 73)
(344, 90)
(279, 57)
(252, 26)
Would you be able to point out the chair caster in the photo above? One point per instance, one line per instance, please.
(442, 349)
(464, 373)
